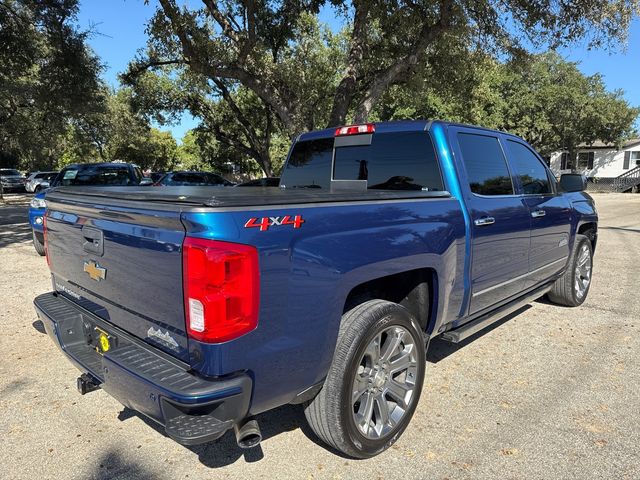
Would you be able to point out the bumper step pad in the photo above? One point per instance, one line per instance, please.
(196, 429)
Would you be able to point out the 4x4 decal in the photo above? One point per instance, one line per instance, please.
(265, 222)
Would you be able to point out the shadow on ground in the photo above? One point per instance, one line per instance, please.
(14, 221)
(225, 451)
(440, 349)
(112, 465)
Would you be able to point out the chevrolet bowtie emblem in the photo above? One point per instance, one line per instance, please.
(95, 271)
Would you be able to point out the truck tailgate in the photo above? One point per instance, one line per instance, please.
(123, 264)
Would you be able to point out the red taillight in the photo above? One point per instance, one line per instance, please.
(221, 289)
(355, 129)
(46, 242)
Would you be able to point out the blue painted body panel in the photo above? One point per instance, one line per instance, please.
(35, 213)
(306, 274)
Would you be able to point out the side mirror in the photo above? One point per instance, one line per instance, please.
(146, 181)
(573, 182)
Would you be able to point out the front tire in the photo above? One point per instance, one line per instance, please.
(37, 243)
(374, 382)
(572, 287)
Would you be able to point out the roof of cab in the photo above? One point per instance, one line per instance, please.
(102, 164)
(396, 126)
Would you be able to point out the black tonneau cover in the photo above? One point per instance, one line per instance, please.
(234, 197)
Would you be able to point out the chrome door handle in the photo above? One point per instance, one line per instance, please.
(538, 213)
(480, 222)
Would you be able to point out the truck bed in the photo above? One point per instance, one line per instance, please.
(229, 197)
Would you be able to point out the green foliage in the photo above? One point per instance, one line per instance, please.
(542, 98)
(48, 78)
(257, 71)
(549, 102)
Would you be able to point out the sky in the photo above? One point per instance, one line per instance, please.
(119, 27)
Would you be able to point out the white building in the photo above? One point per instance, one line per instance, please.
(599, 160)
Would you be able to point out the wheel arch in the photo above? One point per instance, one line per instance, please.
(589, 230)
(416, 290)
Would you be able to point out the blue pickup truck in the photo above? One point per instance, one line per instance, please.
(202, 308)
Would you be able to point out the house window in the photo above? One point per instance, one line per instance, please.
(635, 159)
(565, 163)
(585, 160)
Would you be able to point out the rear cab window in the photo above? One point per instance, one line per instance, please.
(95, 175)
(392, 161)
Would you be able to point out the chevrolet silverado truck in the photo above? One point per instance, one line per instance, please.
(201, 308)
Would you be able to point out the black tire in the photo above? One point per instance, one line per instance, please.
(37, 243)
(565, 290)
(331, 413)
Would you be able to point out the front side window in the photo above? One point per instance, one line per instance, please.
(485, 164)
(529, 170)
(635, 159)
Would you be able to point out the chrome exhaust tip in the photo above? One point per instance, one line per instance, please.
(248, 434)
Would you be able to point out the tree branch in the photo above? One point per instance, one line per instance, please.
(223, 21)
(140, 67)
(200, 63)
(348, 85)
(403, 65)
(246, 125)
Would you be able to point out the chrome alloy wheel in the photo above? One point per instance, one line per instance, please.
(582, 275)
(383, 387)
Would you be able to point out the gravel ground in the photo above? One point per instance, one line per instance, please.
(548, 393)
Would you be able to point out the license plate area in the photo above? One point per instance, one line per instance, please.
(100, 339)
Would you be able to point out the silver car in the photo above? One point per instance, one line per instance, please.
(39, 181)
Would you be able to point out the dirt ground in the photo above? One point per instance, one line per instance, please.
(548, 393)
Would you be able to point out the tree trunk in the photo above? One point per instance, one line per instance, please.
(264, 160)
(348, 85)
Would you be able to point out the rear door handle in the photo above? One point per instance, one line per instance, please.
(538, 213)
(480, 222)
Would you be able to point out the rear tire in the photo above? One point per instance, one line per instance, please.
(374, 383)
(38, 245)
(572, 288)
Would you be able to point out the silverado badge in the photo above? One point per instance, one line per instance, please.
(95, 271)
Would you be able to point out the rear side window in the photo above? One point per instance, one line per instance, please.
(309, 164)
(393, 161)
(530, 171)
(485, 164)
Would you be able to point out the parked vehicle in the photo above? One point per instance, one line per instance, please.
(261, 182)
(182, 179)
(11, 180)
(39, 181)
(156, 176)
(85, 174)
(324, 292)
